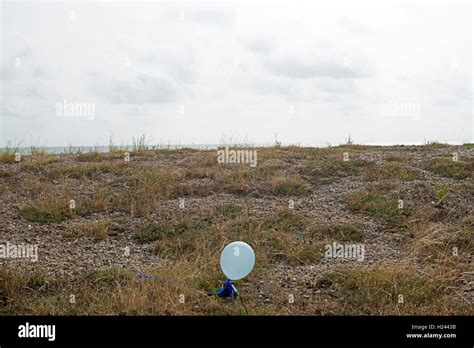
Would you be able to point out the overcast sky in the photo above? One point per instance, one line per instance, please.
(182, 73)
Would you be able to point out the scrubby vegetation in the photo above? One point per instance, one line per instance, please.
(168, 213)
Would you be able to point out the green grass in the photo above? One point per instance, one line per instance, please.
(154, 176)
(377, 290)
(188, 242)
(49, 210)
(285, 221)
(159, 183)
(34, 215)
(442, 191)
(354, 147)
(152, 233)
(451, 169)
(396, 171)
(38, 152)
(334, 166)
(397, 159)
(139, 144)
(306, 254)
(107, 277)
(8, 154)
(377, 202)
(289, 186)
(435, 145)
(229, 210)
(92, 156)
(94, 229)
(344, 232)
(462, 239)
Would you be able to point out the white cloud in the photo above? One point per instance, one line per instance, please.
(237, 67)
(140, 90)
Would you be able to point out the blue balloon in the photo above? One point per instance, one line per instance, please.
(237, 260)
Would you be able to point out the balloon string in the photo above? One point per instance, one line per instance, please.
(242, 303)
(144, 276)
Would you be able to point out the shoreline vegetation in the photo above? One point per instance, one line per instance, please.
(141, 144)
(99, 219)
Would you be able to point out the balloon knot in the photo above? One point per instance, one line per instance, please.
(228, 290)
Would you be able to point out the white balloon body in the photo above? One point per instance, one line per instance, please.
(237, 260)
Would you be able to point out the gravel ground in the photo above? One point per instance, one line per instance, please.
(66, 256)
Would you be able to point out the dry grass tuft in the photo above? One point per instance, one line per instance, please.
(49, 209)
